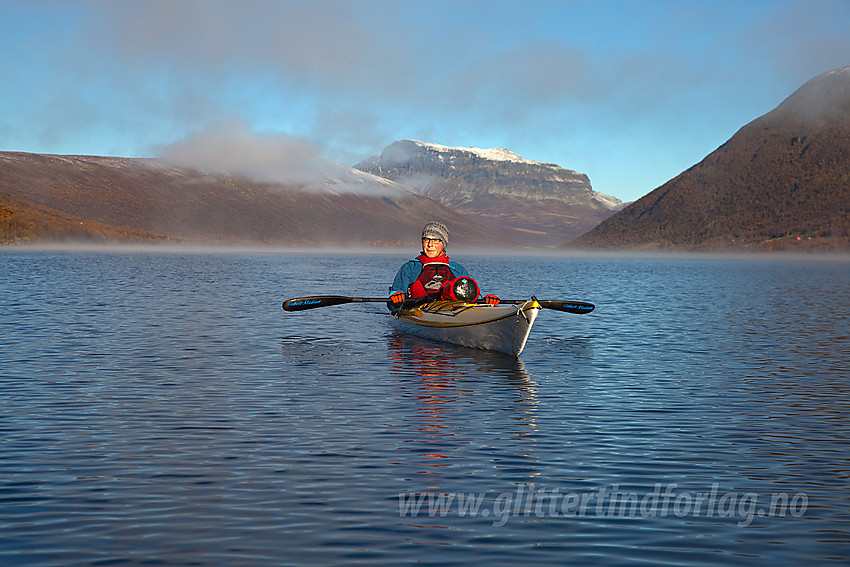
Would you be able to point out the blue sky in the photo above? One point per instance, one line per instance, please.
(631, 93)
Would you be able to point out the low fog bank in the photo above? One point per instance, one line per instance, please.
(410, 251)
(271, 157)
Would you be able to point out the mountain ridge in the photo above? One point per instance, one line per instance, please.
(94, 198)
(497, 187)
(780, 182)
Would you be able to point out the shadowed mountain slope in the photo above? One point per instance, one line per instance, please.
(781, 182)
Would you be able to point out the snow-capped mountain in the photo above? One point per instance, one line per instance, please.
(550, 203)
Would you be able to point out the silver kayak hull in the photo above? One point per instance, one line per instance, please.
(501, 328)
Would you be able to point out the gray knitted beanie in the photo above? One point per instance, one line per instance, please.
(436, 230)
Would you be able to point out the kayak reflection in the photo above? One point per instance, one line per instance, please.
(412, 355)
(455, 396)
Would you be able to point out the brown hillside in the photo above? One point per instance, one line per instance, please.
(23, 222)
(782, 181)
(48, 197)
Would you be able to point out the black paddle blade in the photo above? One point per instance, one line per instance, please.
(313, 301)
(568, 306)
(304, 303)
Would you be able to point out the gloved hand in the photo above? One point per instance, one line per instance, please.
(491, 299)
(397, 298)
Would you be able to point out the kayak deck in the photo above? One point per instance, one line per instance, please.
(502, 328)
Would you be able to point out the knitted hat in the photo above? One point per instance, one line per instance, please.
(436, 230)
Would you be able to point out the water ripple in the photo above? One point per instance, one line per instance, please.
(163, 406)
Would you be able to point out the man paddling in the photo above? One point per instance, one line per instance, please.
(433, 275)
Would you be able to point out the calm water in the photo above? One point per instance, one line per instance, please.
(161, 408)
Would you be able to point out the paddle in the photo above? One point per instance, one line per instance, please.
(558, 305)
(314, 301)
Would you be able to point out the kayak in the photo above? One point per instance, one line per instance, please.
(502, 328)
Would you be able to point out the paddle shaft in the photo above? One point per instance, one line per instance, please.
(312, 302)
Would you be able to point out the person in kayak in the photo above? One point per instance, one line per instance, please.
(433, 274)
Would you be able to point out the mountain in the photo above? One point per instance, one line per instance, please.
(52, 197)
(781, 182)
(546, 202)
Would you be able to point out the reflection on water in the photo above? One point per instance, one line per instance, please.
(450, 394)
(417, 356)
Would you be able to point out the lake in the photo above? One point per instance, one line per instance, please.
(160, 407)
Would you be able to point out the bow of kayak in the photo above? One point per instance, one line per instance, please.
(502, 328)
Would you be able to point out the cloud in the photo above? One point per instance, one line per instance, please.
(230, 146)
(328, 43)
(331, 71)
(363, 68)
(814, 40)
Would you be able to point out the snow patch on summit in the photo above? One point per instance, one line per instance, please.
(493, 154)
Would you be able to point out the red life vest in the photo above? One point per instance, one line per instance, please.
(436, 273)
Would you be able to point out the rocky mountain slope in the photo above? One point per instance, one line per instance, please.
(50, 197)
(781, 182)
(497, 187)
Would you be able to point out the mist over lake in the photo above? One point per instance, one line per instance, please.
(160, 406)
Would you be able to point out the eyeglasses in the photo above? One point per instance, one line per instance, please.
(431, 241)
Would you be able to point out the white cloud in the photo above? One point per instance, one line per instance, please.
(231, 147)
